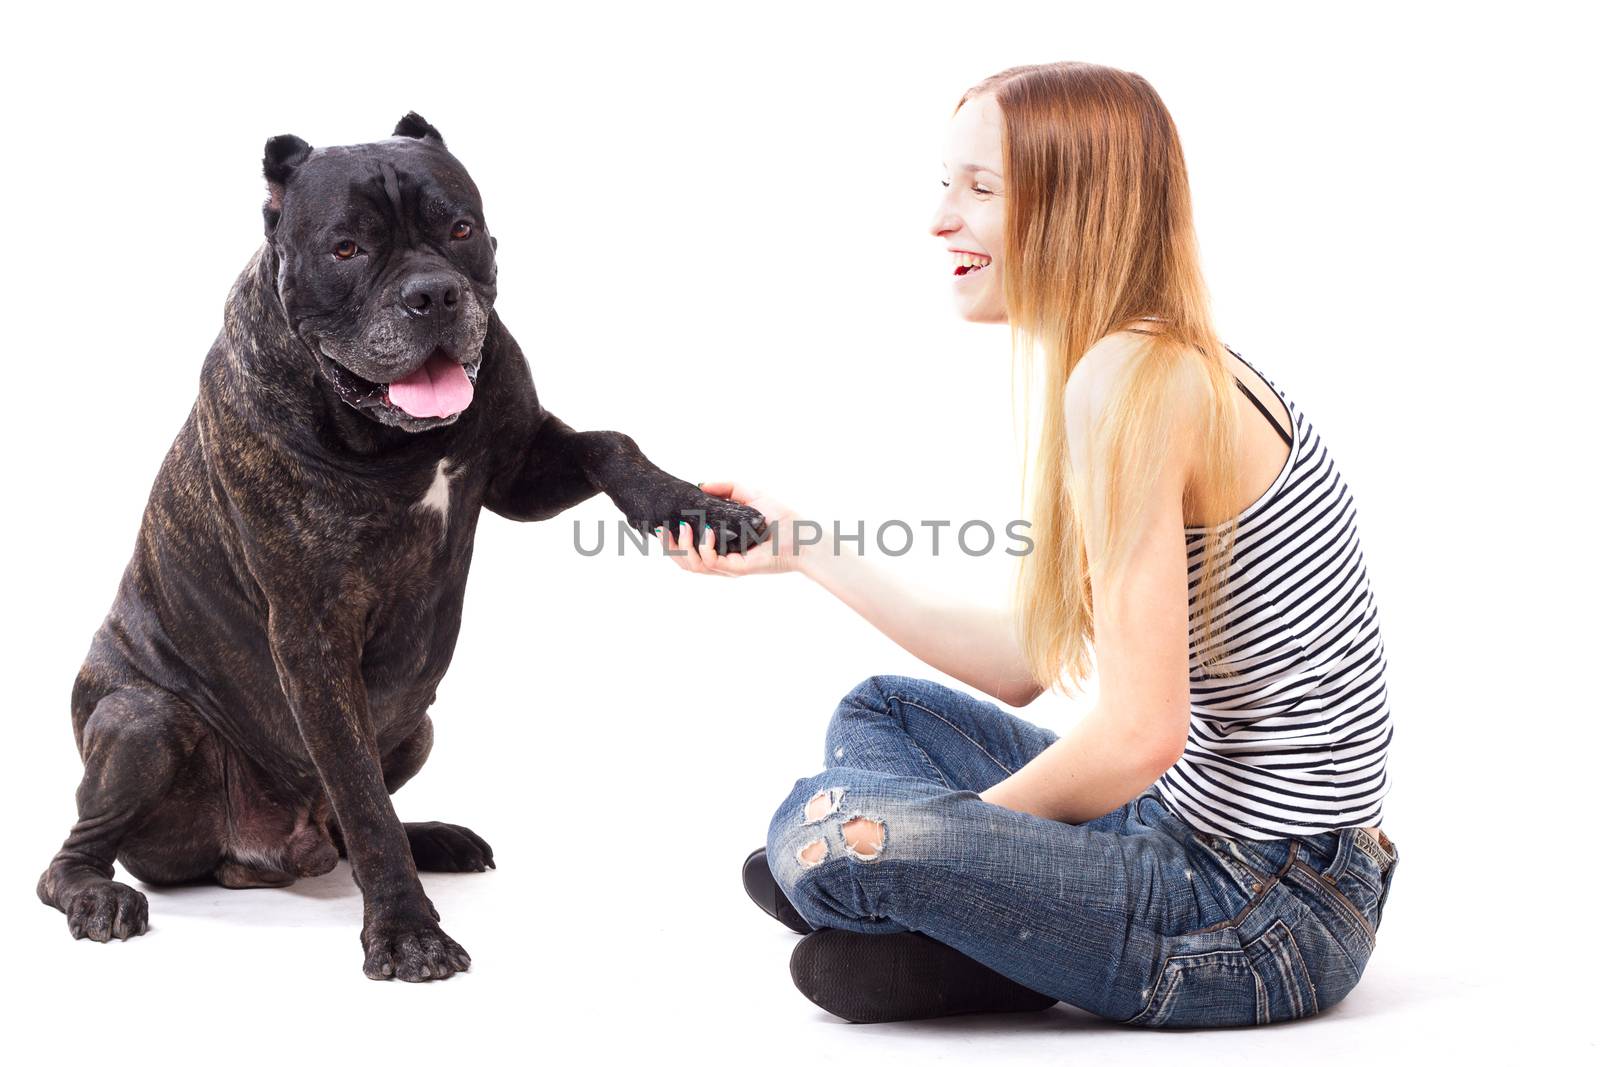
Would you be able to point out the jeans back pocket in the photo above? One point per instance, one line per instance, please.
(1347, 889)
(1364, 876)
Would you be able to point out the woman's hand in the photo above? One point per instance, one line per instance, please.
(775, 555)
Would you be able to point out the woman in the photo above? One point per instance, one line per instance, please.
(1203, 847)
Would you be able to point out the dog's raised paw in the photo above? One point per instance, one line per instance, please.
(412, 950)
(738, 527)
(105, 910)
(443, 846)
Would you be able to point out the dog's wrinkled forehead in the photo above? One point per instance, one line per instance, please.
(409, 171)
(389, 181)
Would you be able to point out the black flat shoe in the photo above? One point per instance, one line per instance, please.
(880, 978)
(758, 882)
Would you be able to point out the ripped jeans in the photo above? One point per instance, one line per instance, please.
(1134, 916)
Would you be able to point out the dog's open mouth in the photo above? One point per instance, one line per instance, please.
(439, 389)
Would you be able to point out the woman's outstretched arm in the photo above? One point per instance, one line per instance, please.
(974, 643)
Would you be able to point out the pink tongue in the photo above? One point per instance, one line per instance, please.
(437, 388)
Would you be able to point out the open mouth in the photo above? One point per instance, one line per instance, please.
(437, 391)
(971, 263)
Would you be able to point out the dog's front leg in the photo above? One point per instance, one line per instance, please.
(561, 467)
(316, 647)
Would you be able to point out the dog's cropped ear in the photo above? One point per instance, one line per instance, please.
(414, 125)
(284, 154)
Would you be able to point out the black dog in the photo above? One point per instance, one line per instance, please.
(262, 682)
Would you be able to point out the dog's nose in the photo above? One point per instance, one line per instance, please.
(431, 294)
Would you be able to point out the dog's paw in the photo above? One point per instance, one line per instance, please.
(442, 846)
(737, 527)
(410, 948)
(103, 910)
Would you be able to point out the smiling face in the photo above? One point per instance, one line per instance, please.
(971, 214)
(387, 273)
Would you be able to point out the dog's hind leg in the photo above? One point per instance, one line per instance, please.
(435, 846)
(134, 743)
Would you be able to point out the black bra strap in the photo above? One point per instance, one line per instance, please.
(1263, 409)
(1253, 399)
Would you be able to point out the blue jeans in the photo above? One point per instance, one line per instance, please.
(1134, 916)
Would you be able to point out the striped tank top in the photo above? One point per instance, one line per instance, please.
(1296, 743)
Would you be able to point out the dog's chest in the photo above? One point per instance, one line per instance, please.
(419, 543)
(427, 515)
(436, 497)
(418, 555)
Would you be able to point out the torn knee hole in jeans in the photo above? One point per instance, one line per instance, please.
(812, 853)
(822, 805)
(863, 837)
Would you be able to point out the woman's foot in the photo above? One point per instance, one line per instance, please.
(759, 883)
(879, 978)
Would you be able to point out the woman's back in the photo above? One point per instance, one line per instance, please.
(1296, 742)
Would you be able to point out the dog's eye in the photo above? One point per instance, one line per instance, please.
(345, 249)
(461, 230)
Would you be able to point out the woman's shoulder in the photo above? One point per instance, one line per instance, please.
(1132, 361)
(1135, 403)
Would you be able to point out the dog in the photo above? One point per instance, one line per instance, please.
(261, 684)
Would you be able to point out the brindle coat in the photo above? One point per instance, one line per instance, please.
(262, 682)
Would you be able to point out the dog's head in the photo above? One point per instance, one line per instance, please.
(386, 269)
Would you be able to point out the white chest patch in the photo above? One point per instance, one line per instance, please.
(437, 497)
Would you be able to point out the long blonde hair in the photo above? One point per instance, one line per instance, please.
(1099, 235)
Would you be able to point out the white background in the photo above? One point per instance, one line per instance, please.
(713, 235)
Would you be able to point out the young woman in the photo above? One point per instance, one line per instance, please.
(1203, 847)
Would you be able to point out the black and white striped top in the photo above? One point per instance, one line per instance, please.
(1296, 743)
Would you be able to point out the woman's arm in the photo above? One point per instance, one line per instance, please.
(1140, 721)
(973, 643)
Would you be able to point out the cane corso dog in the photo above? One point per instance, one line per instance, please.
(262, 682)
